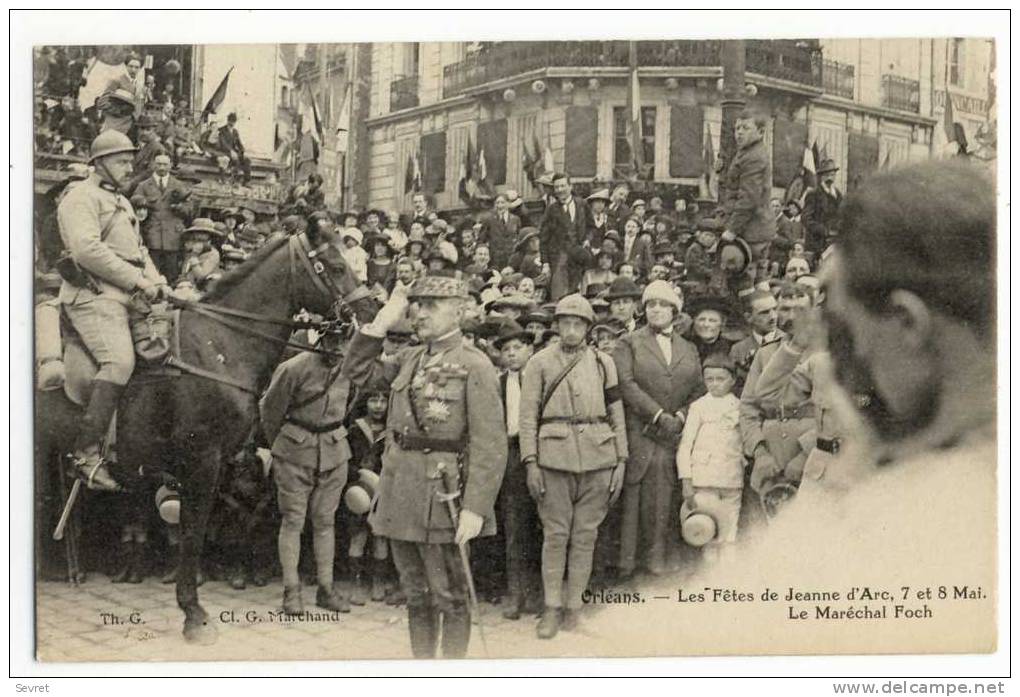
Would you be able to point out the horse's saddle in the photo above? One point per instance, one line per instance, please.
(154, 334)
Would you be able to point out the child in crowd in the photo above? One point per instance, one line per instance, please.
(709, 460)
(201, 259)
(367, 438)
(354, 255)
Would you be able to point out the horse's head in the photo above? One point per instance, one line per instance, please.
(331, 287)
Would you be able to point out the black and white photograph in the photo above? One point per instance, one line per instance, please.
(609, 347)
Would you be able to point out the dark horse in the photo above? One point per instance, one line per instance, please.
(186, 424)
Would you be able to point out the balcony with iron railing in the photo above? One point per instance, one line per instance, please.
(838, 78)
(404, 93)
(901, 93)
(797, 61)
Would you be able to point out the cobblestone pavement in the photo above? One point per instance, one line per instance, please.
(99, 620)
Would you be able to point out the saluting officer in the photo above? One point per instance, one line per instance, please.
(107, 262)
(302, 415)
(574, 443)
(445, 433)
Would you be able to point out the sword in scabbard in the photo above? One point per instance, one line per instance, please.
(449, 495)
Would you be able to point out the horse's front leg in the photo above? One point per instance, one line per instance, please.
(199, 477)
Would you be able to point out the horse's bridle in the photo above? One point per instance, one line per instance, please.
(300, 253)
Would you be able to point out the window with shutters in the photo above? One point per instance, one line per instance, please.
(956, 66)
(623, 160)
(433, 162)
(580, 158)
(686, 141)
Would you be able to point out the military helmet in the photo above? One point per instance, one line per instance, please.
(110, 142)
(575, 306)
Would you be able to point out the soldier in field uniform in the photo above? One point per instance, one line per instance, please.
(445, 432)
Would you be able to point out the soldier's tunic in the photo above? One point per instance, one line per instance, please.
(743, 352)
(100, 231)
(304, 422)
(795, 377)
(444, 410)
(765, 418)
(577, 439)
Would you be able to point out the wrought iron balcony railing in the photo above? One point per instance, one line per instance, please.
(798, 61)
(901, 93)
(404, 93)
(838, 78)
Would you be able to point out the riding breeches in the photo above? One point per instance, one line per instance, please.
(103, 326)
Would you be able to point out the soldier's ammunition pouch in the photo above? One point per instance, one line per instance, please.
(69, 270)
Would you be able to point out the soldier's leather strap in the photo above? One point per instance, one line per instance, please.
(557, 380)
(314, 428)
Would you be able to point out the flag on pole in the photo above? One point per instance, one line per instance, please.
(343, 123)
(217, 97)
(634, 135)
(709, 181)
(315, 115)
(528, 162)
(548, 163)
(412, 178)
(885, 161)
(806, 179)
(467, 186)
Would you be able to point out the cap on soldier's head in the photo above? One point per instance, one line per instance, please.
(110, 142)
(440, 284)
(575, 305)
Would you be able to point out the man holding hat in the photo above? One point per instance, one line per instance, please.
(302, 414)
(660, 375)
(821, 209)
(574, 445)
(166, 197)
(446, 435)
(107, 263)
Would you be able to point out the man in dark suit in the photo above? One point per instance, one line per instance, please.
(761, 318)
(618, 210)
(562, 236)
(499, 231)
(637, 247)
(821, 209)
(229, 141)
(746, 188)
(167, 199)
(660, 375)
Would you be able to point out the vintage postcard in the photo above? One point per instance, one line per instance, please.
(515, 349)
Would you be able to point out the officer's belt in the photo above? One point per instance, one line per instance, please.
(314, 428)
(829, 445)
(410, 441)
(573, 420)
(804, 411)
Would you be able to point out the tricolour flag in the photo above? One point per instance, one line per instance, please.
(217, 97)
(634, 135)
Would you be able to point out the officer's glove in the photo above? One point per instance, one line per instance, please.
(392, 312)
(765, 468)
(616, 481)
(469, 525)
(536, 481)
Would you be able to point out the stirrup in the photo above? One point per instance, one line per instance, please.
(95, 477)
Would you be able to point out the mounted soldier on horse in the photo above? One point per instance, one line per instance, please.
(193, 404)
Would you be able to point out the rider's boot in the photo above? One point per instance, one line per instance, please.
(87, 461)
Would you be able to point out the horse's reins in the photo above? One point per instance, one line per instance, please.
(226, 315)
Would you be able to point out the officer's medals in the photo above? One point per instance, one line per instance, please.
(437, 411)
